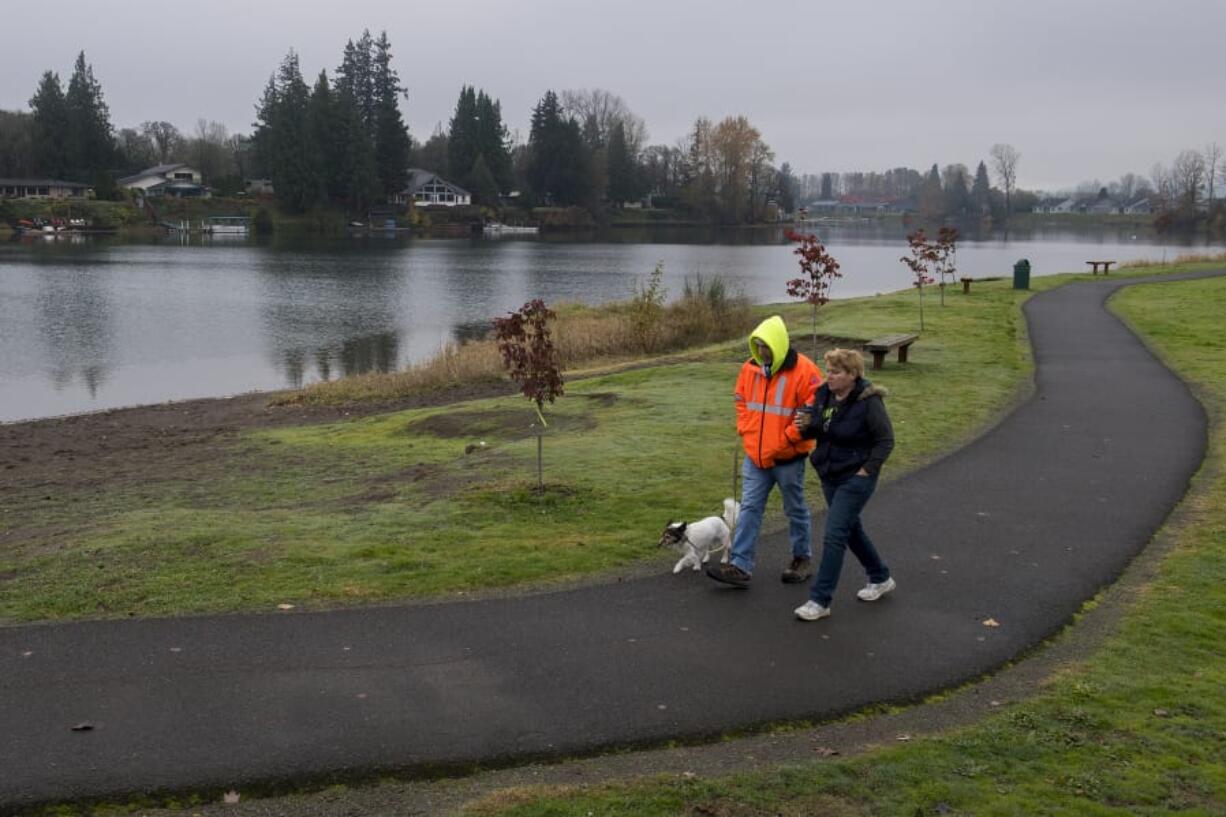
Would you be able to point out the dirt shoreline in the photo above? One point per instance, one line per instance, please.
(116, 444)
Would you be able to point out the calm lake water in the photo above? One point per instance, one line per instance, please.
(91, 324)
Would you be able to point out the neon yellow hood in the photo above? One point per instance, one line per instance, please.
(774, 333)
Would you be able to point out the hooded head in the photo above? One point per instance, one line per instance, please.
(774, 333)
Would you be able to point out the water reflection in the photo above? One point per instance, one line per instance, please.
(75, 324)
(115, 322)
(335, 312)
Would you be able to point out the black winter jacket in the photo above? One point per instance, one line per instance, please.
(851, 435)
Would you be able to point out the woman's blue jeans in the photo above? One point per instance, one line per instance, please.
(845, 499)
(790, 477)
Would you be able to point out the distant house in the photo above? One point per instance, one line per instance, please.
(1138, 207)
(1105, 206)
(42, 189)
(176, 180)
(1069, 205)
(425, 189)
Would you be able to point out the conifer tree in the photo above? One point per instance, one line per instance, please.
(91, 142)
(50, 127)
(493, 142)
(462, 147)
(391, 137)
(285, 140)
(622, 170)
(981, 191)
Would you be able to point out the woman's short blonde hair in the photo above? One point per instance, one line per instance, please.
(849, 360)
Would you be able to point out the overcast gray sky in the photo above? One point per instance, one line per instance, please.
(1082, 88)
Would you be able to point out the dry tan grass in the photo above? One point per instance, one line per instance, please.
(583, 335)
(1187, 258)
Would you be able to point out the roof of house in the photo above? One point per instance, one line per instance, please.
(41, 183)
(156, 170)
(419, 178)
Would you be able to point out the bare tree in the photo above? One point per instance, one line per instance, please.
(1004, 161)
(1188, 178)
(1213, 156)
(597, 111)
(165, 137)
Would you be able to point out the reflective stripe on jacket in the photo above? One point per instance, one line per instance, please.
(765, 407)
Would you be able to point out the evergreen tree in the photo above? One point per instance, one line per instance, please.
(91, 142)
(324, 129)
(493, 141)
(391, 137)
(623, 184)
(462, 147)
(558, 164)
(481, 183)
(931, 197)
(357, 165)
(356, 76)
(981, 191)
(957, 195)
(50, 127)
(787, 188)
(285, 140)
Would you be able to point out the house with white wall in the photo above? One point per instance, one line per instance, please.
(177, 179)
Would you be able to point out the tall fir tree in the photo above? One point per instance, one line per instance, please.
(981, 191)
(559, 165)
(493, 141)
(285, 140)
(50, 112)
(391, 136)
(91, 141)
(622, 169)
(462, 147)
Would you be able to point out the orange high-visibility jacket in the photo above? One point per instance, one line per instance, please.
(765, 405)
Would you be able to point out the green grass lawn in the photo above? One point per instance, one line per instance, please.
(1138, 729)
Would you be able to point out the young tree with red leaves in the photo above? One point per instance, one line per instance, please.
(529, 354)
(819, 271)
(922, 257)
(946, 255)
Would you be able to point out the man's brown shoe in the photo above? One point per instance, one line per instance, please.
(729, 574)
(800, 570)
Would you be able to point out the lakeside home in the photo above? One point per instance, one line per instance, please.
(43, 189)
(177, 180)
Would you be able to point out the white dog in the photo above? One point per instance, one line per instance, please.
(698, 540)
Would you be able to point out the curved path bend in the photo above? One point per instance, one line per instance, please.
(1021, 526)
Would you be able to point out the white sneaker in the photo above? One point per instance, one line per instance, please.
(872, 592)
(811, 611)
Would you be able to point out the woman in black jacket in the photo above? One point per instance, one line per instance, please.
(854, 438)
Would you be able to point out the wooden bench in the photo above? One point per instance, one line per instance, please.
(1106, 265)
(967, 281)
(880, 347)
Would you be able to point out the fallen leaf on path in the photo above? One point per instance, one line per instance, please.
(285, 607)
(991, 622)
(1161, 713)
(903, 737)
(83, 726)
(231, 798)
(825, 751)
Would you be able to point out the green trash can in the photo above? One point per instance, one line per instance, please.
(1021, 274)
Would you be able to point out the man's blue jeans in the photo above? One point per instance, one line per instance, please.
(844, 500)
(790, 477)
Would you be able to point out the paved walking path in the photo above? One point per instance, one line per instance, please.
(1021, 526)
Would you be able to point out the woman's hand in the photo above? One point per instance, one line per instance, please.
(862, 473)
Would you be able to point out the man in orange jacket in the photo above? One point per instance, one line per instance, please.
(773, 384)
